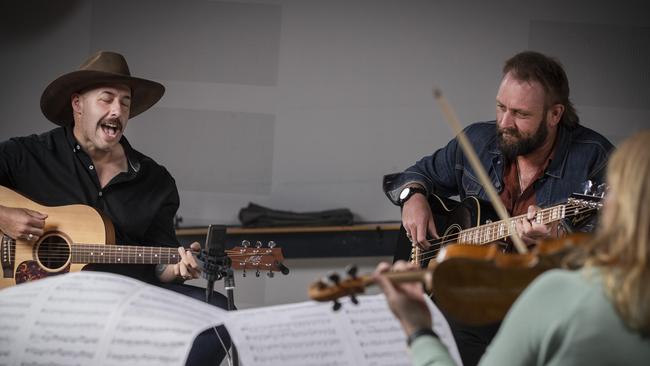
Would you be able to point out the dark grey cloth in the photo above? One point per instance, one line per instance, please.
(260, 216)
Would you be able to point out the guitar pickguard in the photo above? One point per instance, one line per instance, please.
(31, 271)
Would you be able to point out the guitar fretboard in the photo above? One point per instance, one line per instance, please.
(91, 253)
(491, 232)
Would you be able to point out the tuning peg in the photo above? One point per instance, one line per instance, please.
(354, 300)
(586, 187)
(352, 271)
(258, 244)
(271, 244)
(334, 278)
(245, 243)
(270, 274)
(601, 190)
(336, 306)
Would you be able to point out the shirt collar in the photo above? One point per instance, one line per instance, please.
(132, 158)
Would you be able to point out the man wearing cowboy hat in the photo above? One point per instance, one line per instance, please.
(88, 160)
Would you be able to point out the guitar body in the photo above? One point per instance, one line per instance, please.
(450, 217)
(24, 261)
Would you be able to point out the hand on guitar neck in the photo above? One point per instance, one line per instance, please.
(531, 231)
(187, 267)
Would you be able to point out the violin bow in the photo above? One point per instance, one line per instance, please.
(452, 121)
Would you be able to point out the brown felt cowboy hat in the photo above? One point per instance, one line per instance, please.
(101, 68)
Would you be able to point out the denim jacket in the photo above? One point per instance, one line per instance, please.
(580, 155)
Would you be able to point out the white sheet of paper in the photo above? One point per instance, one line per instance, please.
(442, 329)
(311, 333)
(96, 318)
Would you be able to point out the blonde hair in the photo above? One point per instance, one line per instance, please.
(622, 245)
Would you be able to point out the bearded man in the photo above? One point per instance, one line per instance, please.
(535, 153)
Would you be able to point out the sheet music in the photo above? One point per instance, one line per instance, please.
(98, 318)
(312, 333)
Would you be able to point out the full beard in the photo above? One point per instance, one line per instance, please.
(521, 145)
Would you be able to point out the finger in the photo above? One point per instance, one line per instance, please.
(431, 227)
(190, 261)
(421, 235)
(386, 286)
(400, 266)
(183, 271)
(532, 212)
(183, 255)
(195, 247)
(36, 214)
(382, 267)
(35, 222)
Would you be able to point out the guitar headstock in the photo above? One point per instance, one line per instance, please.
(582, 206)
(258, 258)
(332, 288)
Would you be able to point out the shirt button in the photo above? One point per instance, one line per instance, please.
(91, 167)
(78, 147)
(101, 193)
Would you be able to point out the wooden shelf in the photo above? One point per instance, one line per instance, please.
(367, 239)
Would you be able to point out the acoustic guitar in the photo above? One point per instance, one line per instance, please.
(76, 235)
(473, 221)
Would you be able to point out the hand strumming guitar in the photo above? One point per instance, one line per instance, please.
(22, 223)
(418, 220)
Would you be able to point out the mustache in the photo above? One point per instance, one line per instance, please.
(510, 131)
(112, 121)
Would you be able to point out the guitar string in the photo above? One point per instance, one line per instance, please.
(424, 255)
(61, 251)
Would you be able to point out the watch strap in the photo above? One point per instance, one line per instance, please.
(413, 191)
(418, 333)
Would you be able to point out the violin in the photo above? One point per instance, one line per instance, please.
(475, 285)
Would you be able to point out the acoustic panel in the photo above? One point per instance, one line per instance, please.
(209, 151)
(193, 40)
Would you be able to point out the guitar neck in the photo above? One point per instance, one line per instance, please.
(498, 230)
(124, 254)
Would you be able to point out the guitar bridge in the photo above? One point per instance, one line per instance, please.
(7, 256)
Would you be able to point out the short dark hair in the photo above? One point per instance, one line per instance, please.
(531, 65)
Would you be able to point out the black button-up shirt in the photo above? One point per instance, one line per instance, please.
(52, 170)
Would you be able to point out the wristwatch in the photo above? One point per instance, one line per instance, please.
(408, 192)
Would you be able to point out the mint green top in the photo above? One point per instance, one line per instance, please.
(562, 318)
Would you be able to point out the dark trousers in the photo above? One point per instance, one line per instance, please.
(206, 349)
(471, 340)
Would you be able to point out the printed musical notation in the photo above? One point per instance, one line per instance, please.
(311, 333)
(98, 318)
(139, 324)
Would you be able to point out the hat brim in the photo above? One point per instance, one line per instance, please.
(56, 104)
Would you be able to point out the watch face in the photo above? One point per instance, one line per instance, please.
(405, 193)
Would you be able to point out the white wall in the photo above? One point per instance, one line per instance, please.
(305, 105)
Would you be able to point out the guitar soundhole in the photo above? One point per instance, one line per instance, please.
(53, 252)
